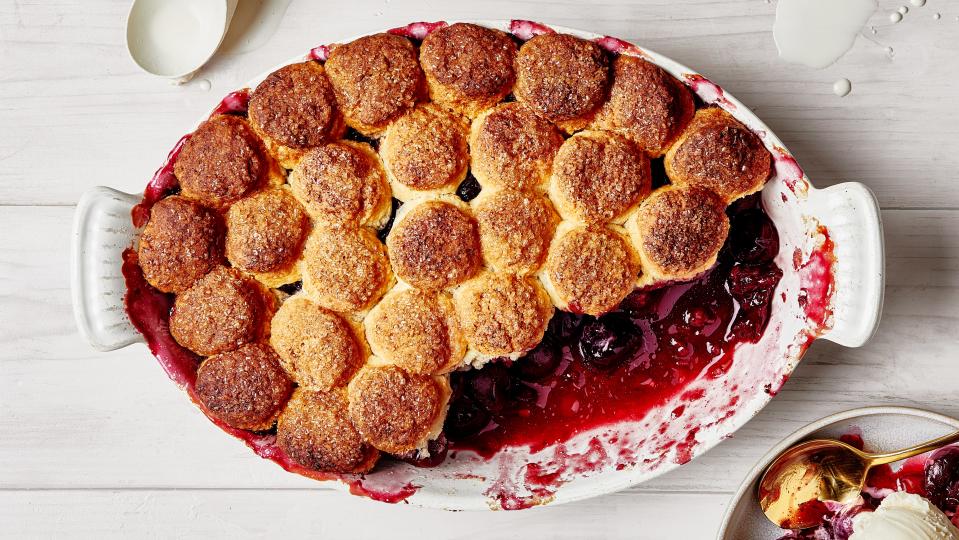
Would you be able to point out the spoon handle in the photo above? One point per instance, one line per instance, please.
(882, 459)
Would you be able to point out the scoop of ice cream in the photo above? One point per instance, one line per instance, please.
(904, 516)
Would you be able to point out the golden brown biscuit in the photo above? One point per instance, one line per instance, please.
(345, 270)
(397, 411)
(180, 244)
(220, 312)
(319, 349)
(563, 78)
(426, 151)
(316, 432)
(434, 244)
(342, 184)
(513, 148)
(294, 109)
(718, 153)
(646, 104)
(515, 229)
(679, 231)
(503, 314)
(469, 68)
(265, 233)
(376, 79)
(416, 330)
(590, 269)
(598, 177)
(245, 388)
(222, 161)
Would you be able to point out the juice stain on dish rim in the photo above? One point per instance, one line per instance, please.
(816, 33)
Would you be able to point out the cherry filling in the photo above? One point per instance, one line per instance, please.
(594, 371)
(469, 188)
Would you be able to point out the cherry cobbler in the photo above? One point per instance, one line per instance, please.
(464, 240)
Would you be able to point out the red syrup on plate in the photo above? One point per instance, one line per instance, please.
(934, 476)
(590, 372)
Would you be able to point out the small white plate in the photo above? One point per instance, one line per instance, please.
(883, 429)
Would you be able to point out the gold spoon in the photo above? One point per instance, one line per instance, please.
(794, 486)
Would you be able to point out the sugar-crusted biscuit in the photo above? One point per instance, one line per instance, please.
(245, 388)
(679, 231)
(590, 269)
(294, 109)
(469, 68)
(181, 242)
(646, 104)
(719, 153)
(397, 411)
(598, 177)
(426, 151)
(417, 330)
(376, 79)
(513, 148)
(342, 184)
(345, 270)
(563, 78)
(316, 432)
(318, 348)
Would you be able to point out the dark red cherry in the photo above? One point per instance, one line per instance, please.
(490, 386)
(753, 238)
(465, 418)
(291, 288)
(435, 454)
(523, 395)
(657, 168)
(607, 342)
(564, 326)
(469, 188)
(951, 499)
(941, 475)
(540, 362)
(382, 233)
(753, 286)
(353, 135)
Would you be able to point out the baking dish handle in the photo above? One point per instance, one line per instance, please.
(102, 229)
(851, 214)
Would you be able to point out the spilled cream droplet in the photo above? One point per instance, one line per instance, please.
(937, 16)
(842, 87)
(918, 3)
(204, 84)
(890, 51)
(903, 9)
(895, 17)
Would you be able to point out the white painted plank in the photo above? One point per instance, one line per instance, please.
(323, 514)
(74, 417)
(76, 112)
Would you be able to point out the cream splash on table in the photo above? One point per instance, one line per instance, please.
(816, 33)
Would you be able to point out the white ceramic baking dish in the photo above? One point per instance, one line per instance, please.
(831, 254)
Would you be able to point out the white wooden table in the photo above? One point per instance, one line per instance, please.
(102, 445)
